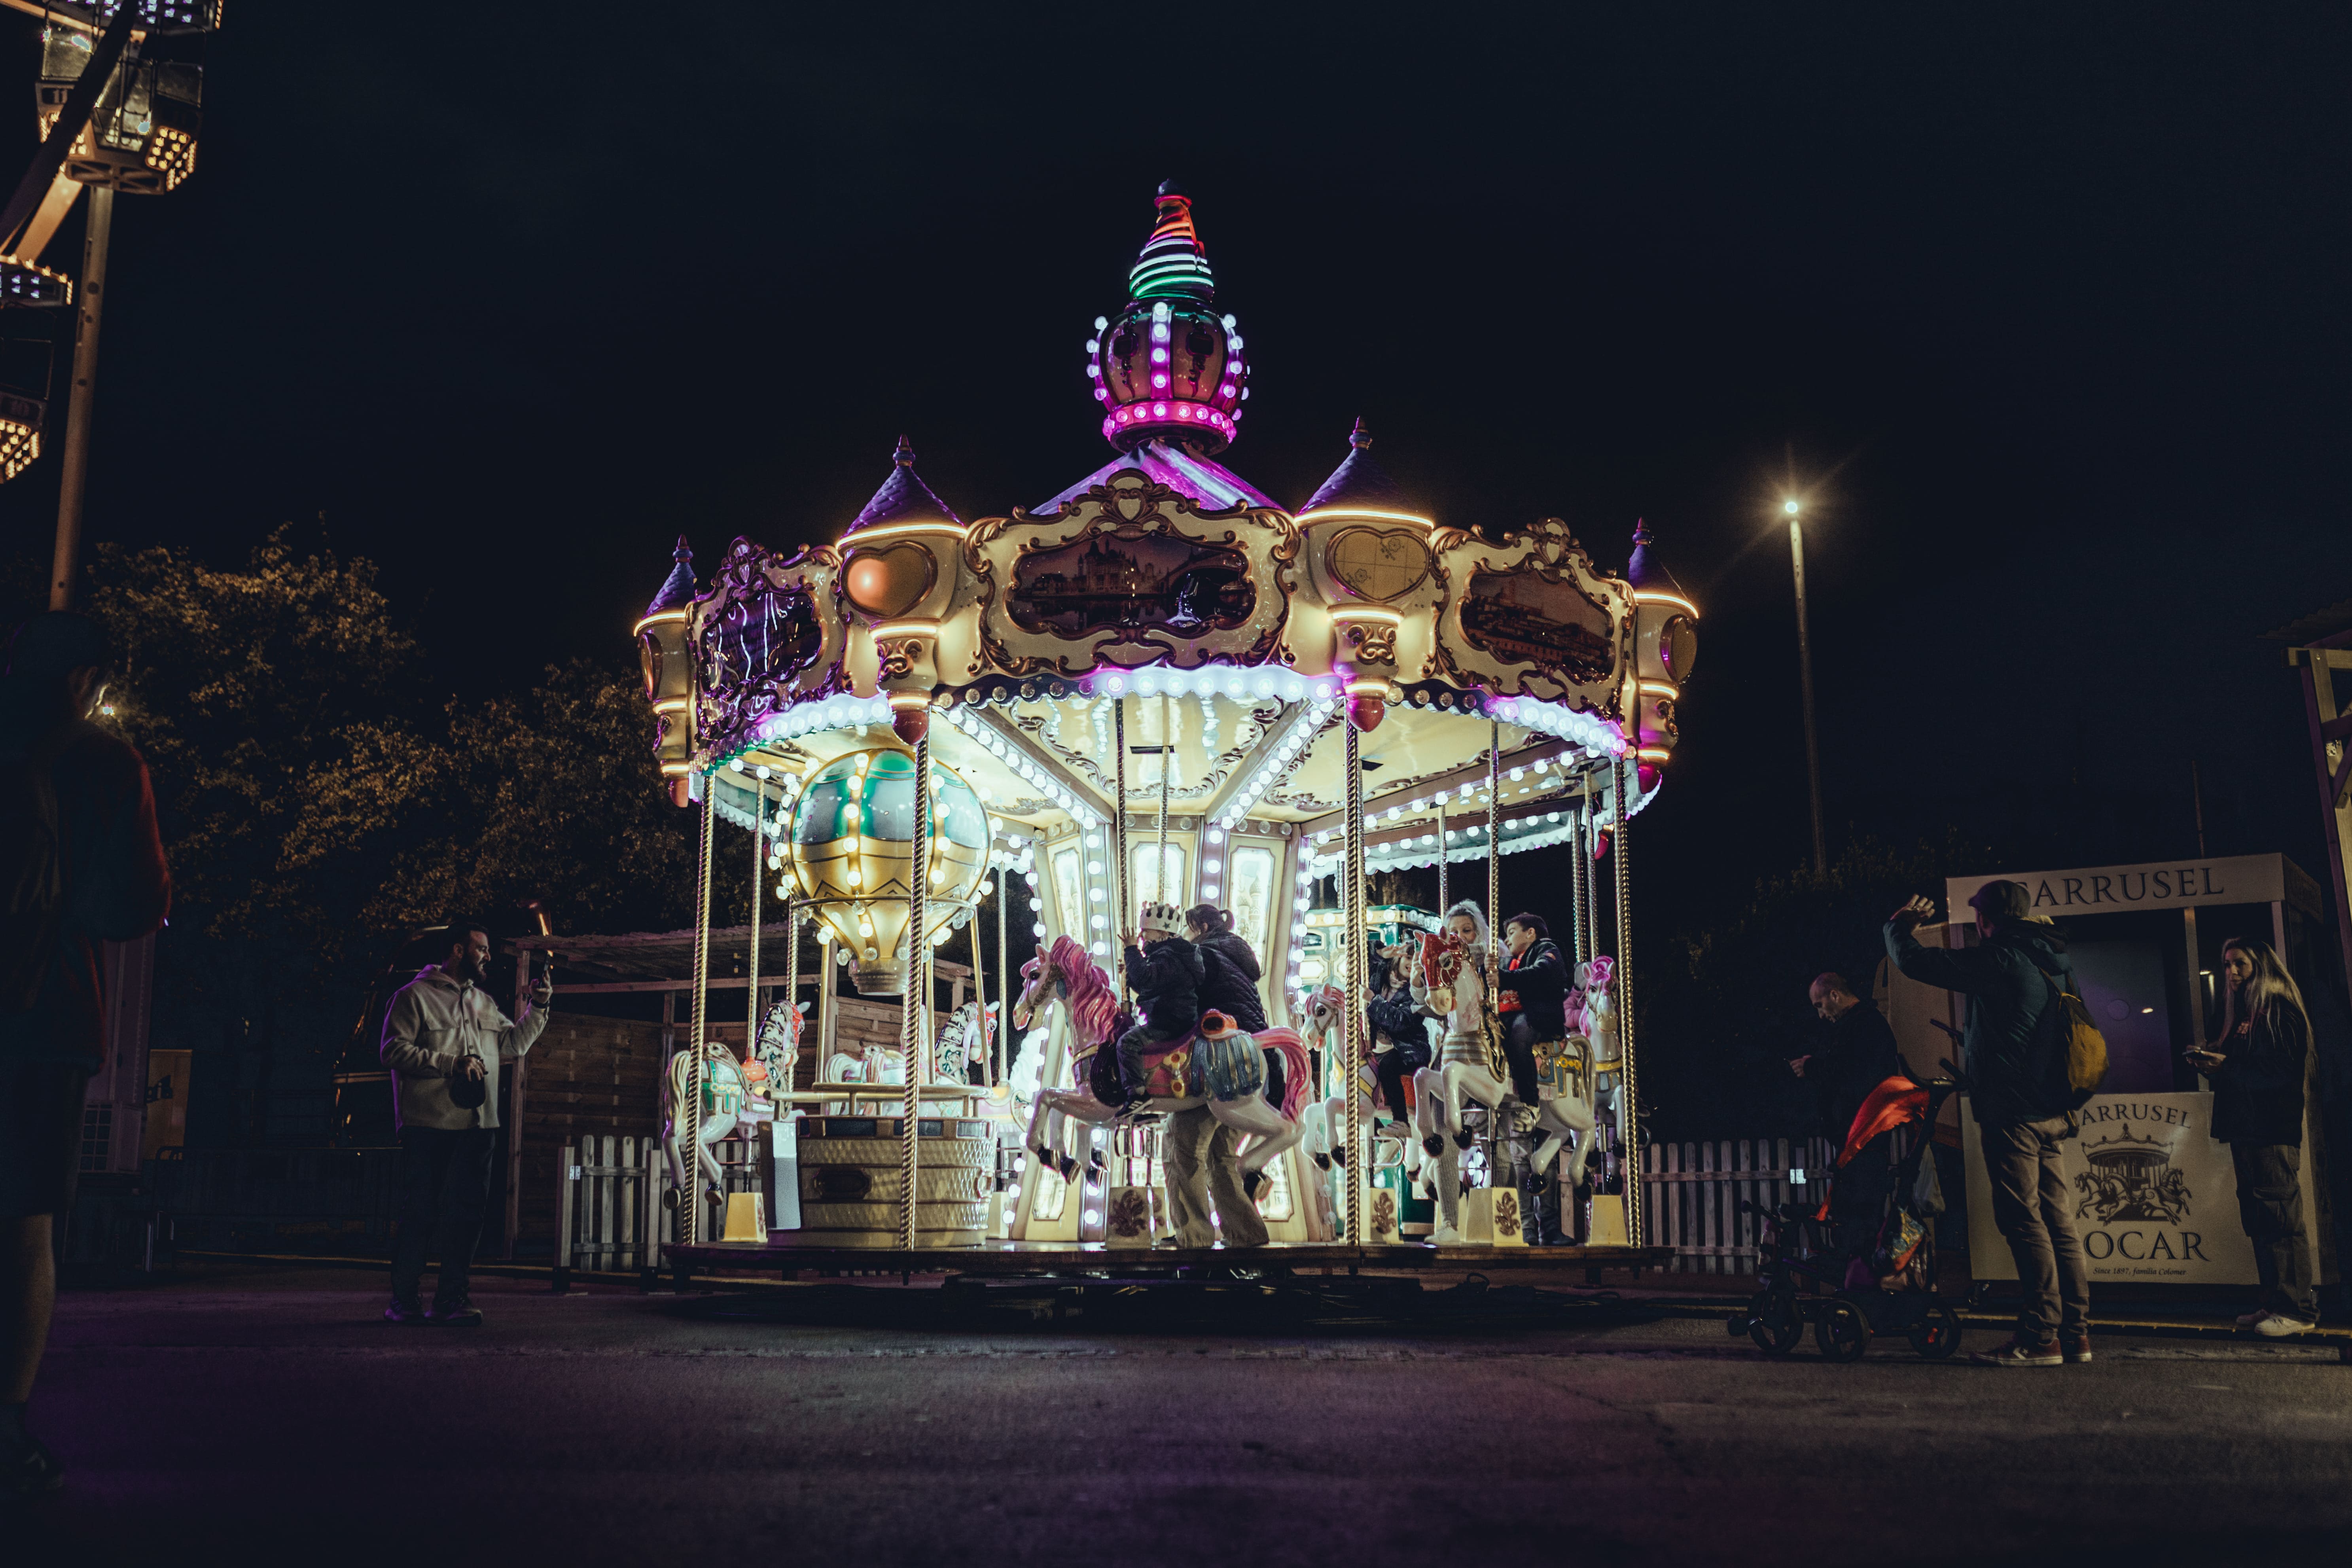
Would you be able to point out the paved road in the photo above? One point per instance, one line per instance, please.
(259, 1417)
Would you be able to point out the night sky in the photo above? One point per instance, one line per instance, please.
(2046, 310)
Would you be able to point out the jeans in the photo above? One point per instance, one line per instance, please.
(1202, 1174)
(1520, 1052)
(2270, 1206)
(2035, 1213)
(1390, 1068)
(445, 1180)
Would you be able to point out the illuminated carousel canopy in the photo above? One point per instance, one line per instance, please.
(1165, 599)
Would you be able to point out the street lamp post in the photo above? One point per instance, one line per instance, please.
(1795, 511)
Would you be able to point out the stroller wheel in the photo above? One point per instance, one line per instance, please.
(1773, 1323)
(1841, 1331)
(1939, 1333)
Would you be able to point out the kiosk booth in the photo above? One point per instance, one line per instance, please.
(2157, 1198)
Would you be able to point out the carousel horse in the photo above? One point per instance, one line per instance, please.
(1325, 1121)
(1220, 1069)
(1068, 1009)
(963, 1042)
(734, 1095)
(1449, 968)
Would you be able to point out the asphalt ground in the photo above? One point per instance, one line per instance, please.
(260, 1415)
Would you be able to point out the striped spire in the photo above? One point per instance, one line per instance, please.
(1172, 266)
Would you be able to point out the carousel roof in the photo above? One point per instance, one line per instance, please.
(903, 497)
(1165, 598)
(1187, 473)
(1359, 483)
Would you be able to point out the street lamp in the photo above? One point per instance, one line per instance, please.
(1794, 509)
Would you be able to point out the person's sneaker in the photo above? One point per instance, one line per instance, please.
(2019, 1353)
(2076, 1348)
(402, 1311)
(460, 1313)
(2278, 1325)
(28, 1470)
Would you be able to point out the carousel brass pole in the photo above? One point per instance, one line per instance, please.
(1351, 899)
(1166, 751)
(792, 991)
(915, 998)
(73, 475)
(1003, 977)
(751, 961)
(1494, 870)
(1440, 865)
(688, 1115)
(759, 849)
(1578, 907)
(1120, 913)
(1628, 1123)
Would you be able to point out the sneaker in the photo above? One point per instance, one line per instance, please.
(31, 1470)
(2278, 1325)
(2019, 1353)
(402, 1311)
(2075, 1349)
(460, 1313)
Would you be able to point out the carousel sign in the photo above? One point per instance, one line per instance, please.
(2154, 885)
(2154, 1197)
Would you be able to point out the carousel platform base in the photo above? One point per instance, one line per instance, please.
(786, 1253)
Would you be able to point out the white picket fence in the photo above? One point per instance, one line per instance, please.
(1694, 1193)
(612, 1213)
(1694, 1190)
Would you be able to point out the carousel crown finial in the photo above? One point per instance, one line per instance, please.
(1168, 367)
(1172, 265)
(1360, 437)
(903, 497)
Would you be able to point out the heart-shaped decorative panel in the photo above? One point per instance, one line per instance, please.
(1379, 563)
(890, 580)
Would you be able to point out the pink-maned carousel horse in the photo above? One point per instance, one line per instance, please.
(1217, 1066)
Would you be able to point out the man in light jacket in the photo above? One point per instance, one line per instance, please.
(443, 1039)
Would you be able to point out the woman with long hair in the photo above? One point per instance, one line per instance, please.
(2258, 1066)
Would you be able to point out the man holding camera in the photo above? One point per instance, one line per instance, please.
(443, 1039)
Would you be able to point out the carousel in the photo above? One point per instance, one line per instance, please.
(1161, 687)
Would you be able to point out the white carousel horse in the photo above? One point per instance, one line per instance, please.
(1557, 1115)
(733, 1095)
(964, 1039)
(1324, 1011)
(1225, 1075)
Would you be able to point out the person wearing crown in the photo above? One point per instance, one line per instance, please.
(1165, 972)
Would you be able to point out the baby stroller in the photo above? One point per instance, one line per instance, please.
(1851, 1288)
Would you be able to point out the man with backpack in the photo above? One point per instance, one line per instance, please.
(80, 863)
(2015, 1064)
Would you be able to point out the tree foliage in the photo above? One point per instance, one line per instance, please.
(317, 807)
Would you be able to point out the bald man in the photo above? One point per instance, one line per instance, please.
(1859, 1056)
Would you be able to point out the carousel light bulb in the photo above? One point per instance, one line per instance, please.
(1099, 923)
(1216, 835)
(1093, 868)
(1036, 903)
(1037, 928)
(1102, 323)
(1101, 948)
(1094, 895)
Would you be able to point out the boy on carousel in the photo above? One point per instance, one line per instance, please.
(1165, 972)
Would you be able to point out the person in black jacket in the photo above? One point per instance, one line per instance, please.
(1230, 969)
(1859, 1056)
(1165, 972)
(2257, 1068)
(1532, 998)
(2015, 1062)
